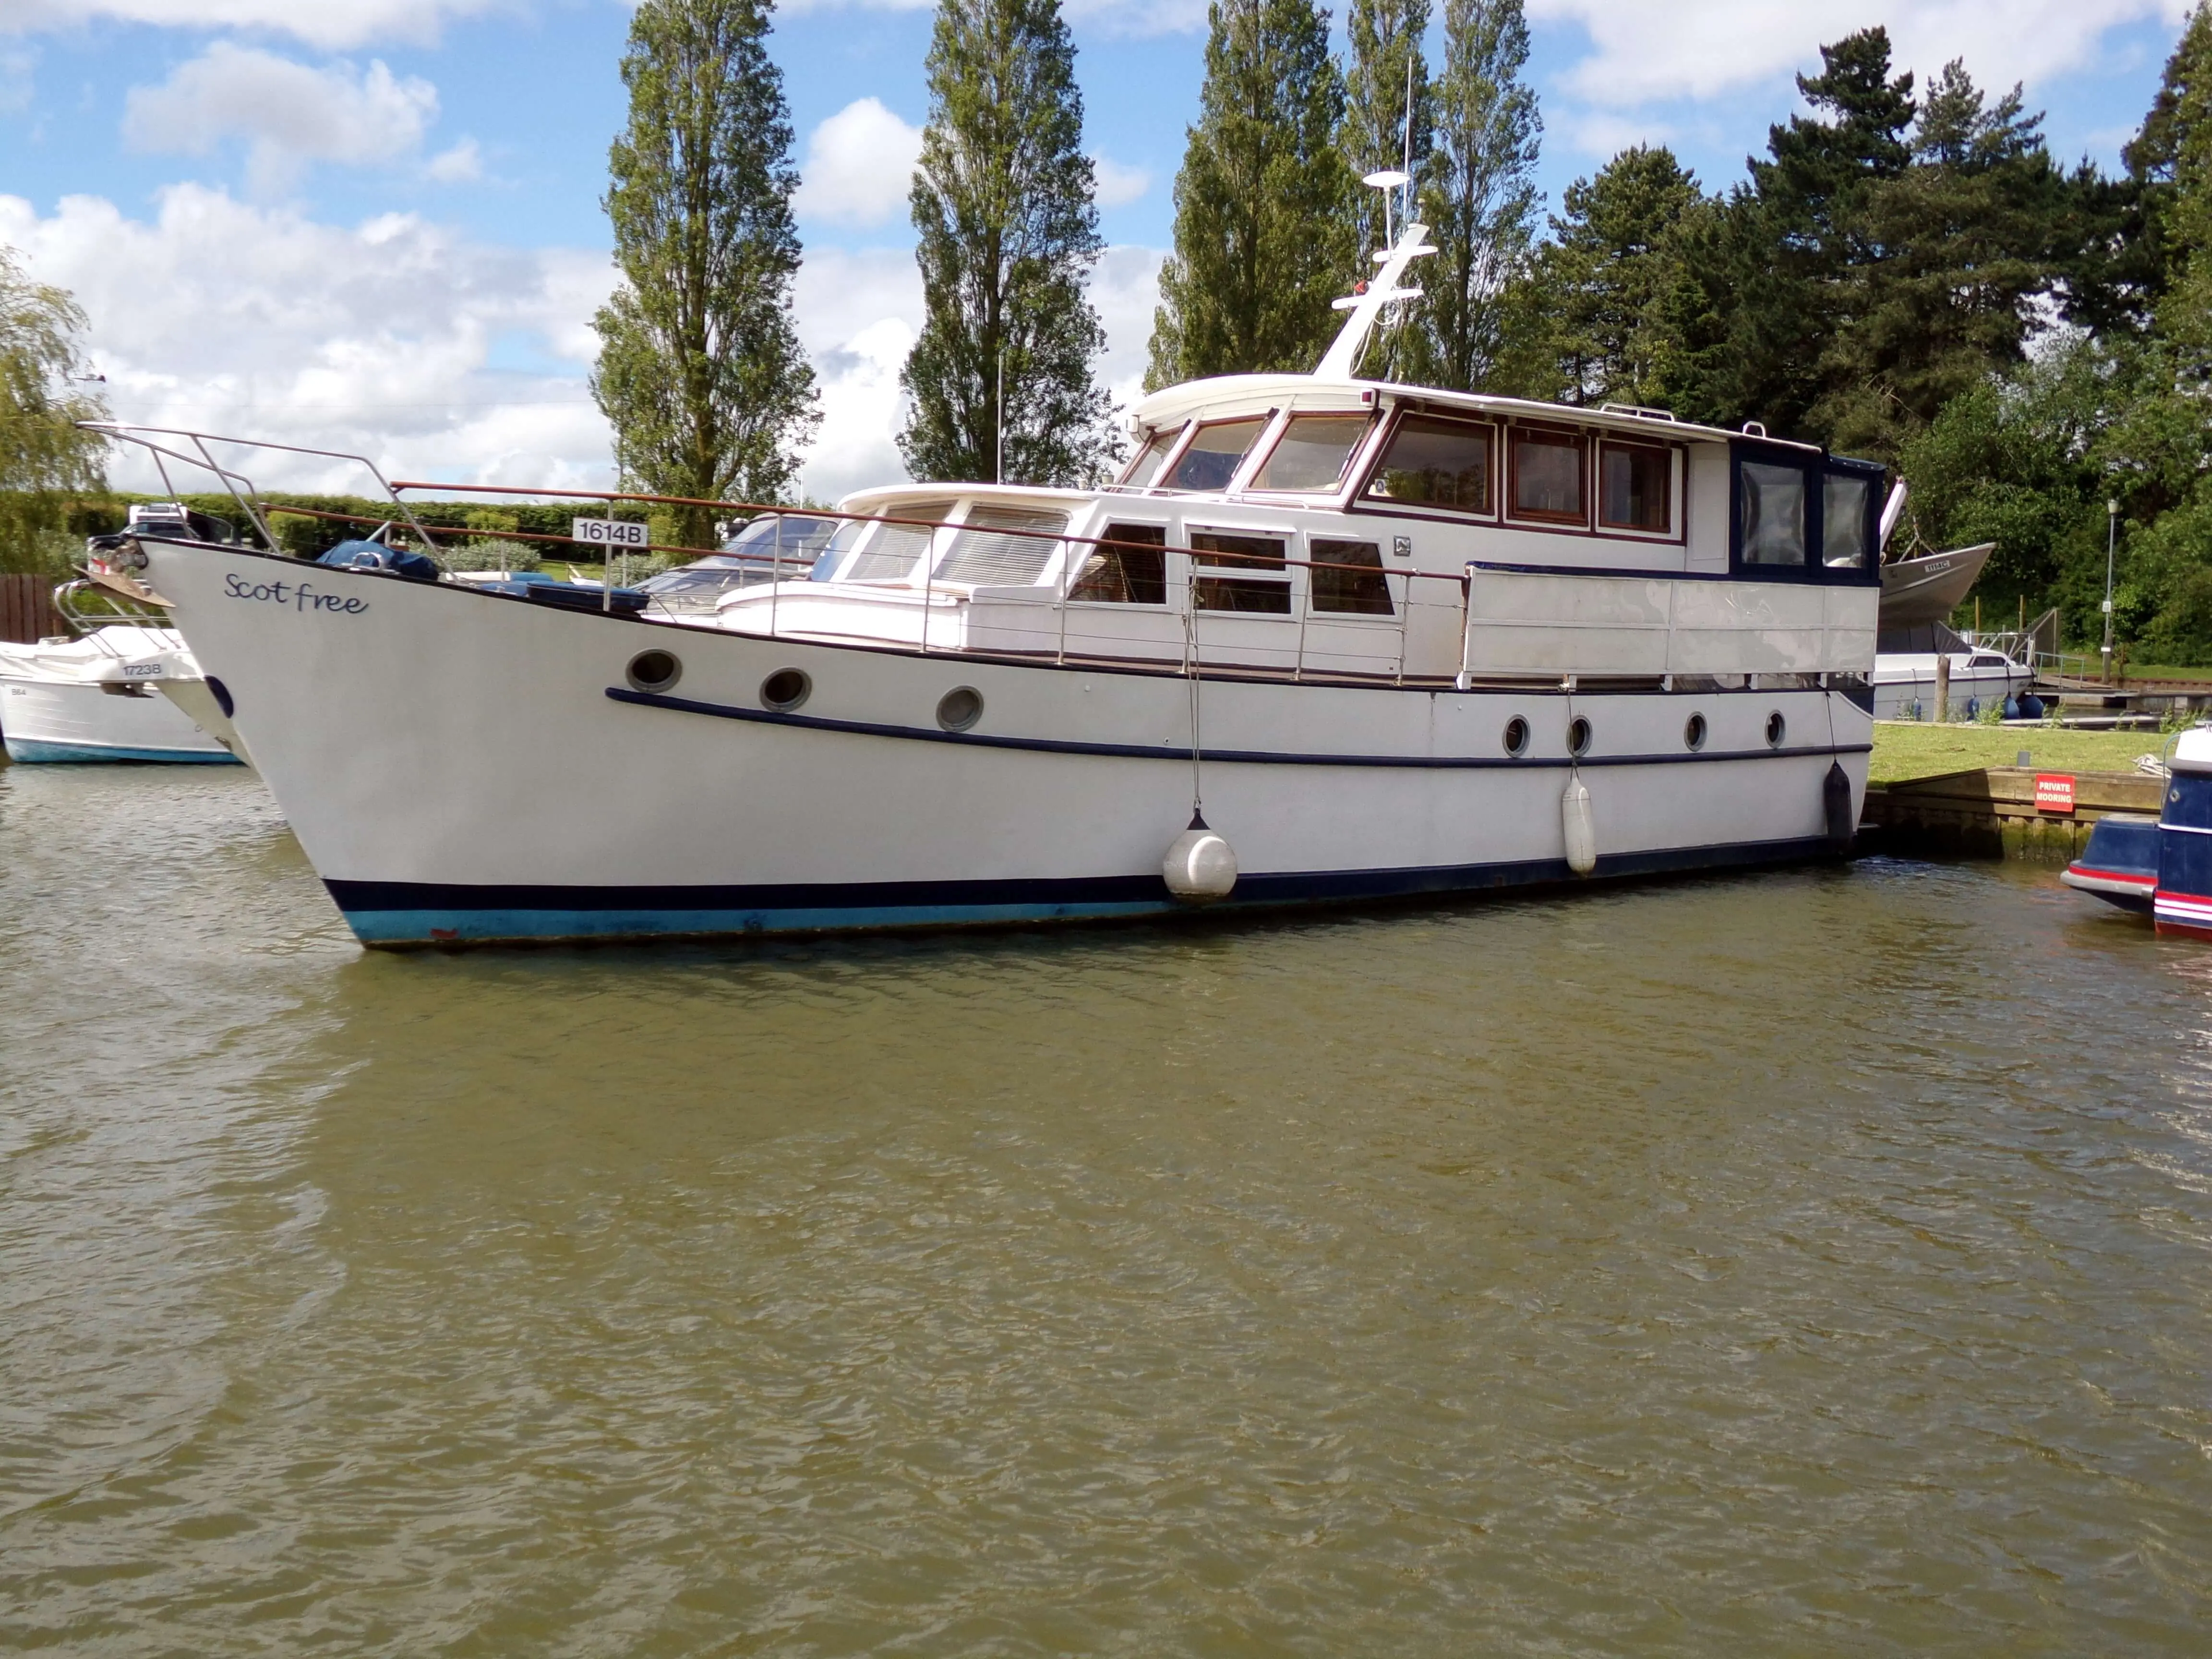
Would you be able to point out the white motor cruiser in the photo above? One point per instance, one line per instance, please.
(1325, 639)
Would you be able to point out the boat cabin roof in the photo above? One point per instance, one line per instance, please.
(1230, 395)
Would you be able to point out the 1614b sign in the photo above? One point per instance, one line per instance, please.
(610, 533)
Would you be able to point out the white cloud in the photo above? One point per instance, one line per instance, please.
(1699, 48)
(859, 166)
(292, 114)
(331, 24)
(460, 165)
(378, 338)
(1126, 288)
(1119, 186)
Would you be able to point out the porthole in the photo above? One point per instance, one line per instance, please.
(785, 689)
(653, 671)
(1776, 729)
(1516, 737)
(1578, 737)
(1693, 734)
(960, 709)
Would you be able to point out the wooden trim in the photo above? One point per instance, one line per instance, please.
(1559, 438)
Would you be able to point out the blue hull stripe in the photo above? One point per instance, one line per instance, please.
(30, 752)
(423, 913)
(1240, 757)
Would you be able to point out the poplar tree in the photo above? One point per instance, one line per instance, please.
(1387, 74)
(44, 456)
(1479, 198)
(700, 371)
(1263, 229)
(1003, 201)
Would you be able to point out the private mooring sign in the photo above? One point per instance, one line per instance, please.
(608, 532)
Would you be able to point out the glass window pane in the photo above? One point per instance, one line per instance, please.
(1145, 467)
(1440, 463)
(893, 551)
(1773, 514)
(1124, 574)
(846, 538)
(1312, 451)
(1247, 573)
(1845, 540)
(1635, 485)
(1210, 461)
(1547, 478)
(1001, 547)
(1362, 590)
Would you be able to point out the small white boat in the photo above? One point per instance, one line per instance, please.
(1904, 682)
(99, 697)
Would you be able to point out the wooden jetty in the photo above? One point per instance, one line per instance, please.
(2002, 811)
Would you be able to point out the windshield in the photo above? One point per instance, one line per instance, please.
(785, 539)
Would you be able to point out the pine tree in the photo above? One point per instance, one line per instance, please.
(1600, 276)
(700, 371)
(1479, 198)
(1263, 228)
(1002, 199)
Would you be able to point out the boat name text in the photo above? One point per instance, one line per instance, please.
(298, 595)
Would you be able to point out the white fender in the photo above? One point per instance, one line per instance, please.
(1200, 866)
(1575, 820)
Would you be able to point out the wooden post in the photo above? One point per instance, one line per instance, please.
(1942, 686)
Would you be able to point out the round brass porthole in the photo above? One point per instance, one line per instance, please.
(1578, 737)
(1693, 734)
(785, 689)
(653, 671)
(960, 709)
(1776, 729)
(1516, 737)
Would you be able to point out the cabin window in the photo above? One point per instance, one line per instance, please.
(1846, 505)
(1636, 485)
(846, 538)
(892, 551)
(1773, 514)
(1002, 547)
(1347, 577)
(1131, 570)
(1549, 478)
(1311, 453)
(1239, 573)
(1146, 466)
(1215, 453)
(1437, 463)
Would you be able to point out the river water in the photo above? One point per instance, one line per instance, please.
(1815, 1263)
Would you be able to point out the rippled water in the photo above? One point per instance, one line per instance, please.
(1810, 1263)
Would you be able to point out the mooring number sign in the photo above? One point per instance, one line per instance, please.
(608, 532)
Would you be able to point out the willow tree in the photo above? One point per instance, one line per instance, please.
(1479, 198)
(700, 370)
(1264, 238)
(44, 458)
(1001, 378)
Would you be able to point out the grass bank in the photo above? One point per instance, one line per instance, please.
(1905, 750)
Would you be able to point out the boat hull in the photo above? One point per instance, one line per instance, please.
(465, 768)
(44, 722)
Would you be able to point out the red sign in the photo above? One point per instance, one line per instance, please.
(2054, 791)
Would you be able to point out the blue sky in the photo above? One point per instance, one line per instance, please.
(377, 220)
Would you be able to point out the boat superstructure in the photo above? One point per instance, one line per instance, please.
(2160, 866)
(1374, 640)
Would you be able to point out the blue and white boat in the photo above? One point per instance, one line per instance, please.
(2161, 867)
